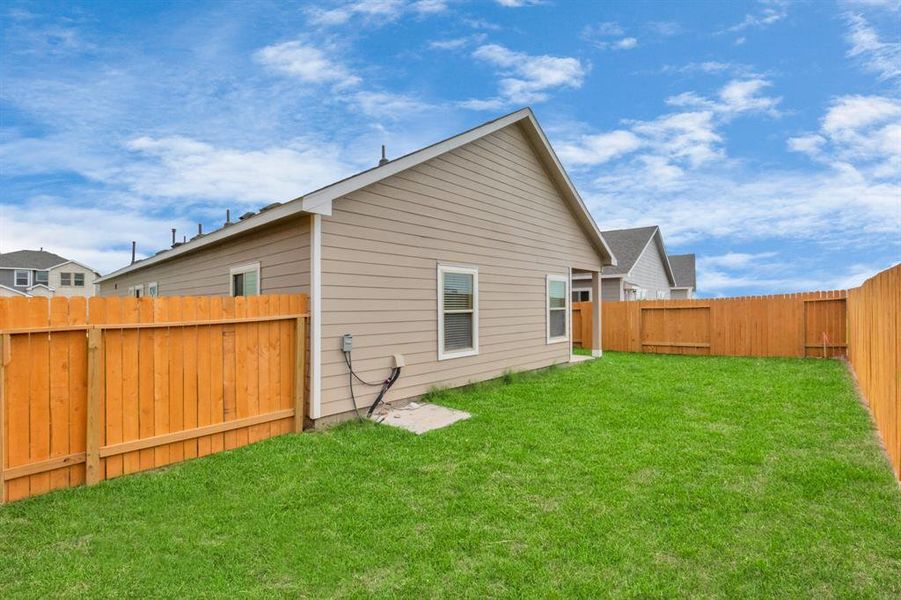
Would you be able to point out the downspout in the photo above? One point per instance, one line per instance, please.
(316, 316)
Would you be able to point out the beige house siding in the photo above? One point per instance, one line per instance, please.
(55, 280)
(649, 273)
(283, 250)
(683, 294)
(490, 205)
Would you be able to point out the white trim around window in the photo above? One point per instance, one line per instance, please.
(473, 350)
(136, 291)
(153, 289)
(241, 270)
(27, 278)
(551, 279)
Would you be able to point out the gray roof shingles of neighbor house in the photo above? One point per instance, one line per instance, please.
(627, 245)
(683, 269)
(30, 259)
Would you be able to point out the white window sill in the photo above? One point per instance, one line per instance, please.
(457, 354)
(557, 340)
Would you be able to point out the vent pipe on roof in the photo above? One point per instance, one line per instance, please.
(173, 236)
(133, 245)
(384, 159)
(228, 217)
(200, 229)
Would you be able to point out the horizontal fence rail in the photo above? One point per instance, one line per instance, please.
(874, 339)
(91, 389)
(804, 324)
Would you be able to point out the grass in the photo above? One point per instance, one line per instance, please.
(650, 476)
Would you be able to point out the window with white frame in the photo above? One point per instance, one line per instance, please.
(458, 311)
(245, 280)
(65, 279)
(136, 291)
(661, 295)
(78, 279)
(581, 295)
(557, 308)
(23, 278)
(153, 289)
(42, 277)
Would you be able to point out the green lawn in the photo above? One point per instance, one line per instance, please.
(648, 476)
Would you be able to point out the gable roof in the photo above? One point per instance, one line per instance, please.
(629, 244)
(320, 201)
(30, 259)
(683, 269)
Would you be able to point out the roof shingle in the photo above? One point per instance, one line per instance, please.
(30, 259)
(683, 269)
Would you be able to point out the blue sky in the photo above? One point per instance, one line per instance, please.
(763, 136)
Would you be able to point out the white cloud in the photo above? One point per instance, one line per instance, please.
(370, 10)
(858, 132)
(734, 260)
(449, 44)
(597, 35)
(877, 56)
(527, 78)
(97, 235)
(180, 167)
(607, 28)
(597, 149)
(625, 44)
(518, 3)
(771, 12)
(305, 62)
(386, 104)
(736, 97)
(666, 28)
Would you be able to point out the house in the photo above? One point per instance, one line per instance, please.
(457, 256)
(42, 273)
(642, 272)
(684, 271)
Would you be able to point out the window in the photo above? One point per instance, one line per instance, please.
(65, 279)
(153, 289)
(661, 295)
(42, 277)
(23, 278)
(136, 290)
(581, 295)
(79, 279)
(557, 309)
(245, 280)
(458, 312)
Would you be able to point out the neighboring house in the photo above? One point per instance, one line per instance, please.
(684, 271)
(42, 273)
(642, 272)
(457, 256)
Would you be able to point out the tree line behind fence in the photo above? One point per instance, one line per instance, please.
(92, 389)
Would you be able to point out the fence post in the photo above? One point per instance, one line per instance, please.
(94, 406)
(5, 348)
(300, 371)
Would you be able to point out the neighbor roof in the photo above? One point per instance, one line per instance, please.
(320, 201)
(683, 269)
(629, 244)
(30, 259)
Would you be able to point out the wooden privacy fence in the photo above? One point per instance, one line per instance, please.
(874, 329)
(91, 389)
(803, 324)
